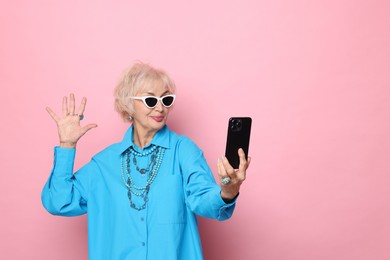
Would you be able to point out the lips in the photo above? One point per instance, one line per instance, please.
(158, 118)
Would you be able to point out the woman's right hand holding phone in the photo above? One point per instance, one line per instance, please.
(234, 177)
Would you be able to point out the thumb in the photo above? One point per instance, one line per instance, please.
(88, 127)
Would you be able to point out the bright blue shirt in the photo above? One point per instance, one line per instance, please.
(167, 228)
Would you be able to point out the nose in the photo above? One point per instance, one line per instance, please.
(159, 106)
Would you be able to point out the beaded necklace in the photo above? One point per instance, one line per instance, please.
(157, 154)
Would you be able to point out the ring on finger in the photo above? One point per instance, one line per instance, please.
(225, 180)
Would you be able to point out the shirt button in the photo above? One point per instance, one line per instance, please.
(143, 243)
(142, 219)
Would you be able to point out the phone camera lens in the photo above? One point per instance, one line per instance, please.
(236, 125)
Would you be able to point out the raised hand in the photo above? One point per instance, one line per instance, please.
(231, 179)
(69, 128)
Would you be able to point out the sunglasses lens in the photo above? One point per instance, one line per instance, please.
(151, 102)
(168, 101)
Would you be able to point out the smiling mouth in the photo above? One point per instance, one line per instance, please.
(158, 118)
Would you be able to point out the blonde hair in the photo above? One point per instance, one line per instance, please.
(139, 77)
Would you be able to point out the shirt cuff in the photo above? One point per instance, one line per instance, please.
(64, 159)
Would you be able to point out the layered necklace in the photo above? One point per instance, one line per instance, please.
(156, 156)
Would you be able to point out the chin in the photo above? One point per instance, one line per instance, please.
(158, 125)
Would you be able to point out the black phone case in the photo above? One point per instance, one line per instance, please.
(238, 135)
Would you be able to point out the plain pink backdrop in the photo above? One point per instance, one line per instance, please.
(313, 75)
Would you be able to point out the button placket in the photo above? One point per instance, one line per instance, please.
(143, 224)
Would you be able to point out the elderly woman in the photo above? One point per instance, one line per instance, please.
(142, 195)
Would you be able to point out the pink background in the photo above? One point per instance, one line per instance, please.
(313, 75)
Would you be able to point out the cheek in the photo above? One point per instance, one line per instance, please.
(141, 109)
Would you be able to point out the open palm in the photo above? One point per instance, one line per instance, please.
(68, 124)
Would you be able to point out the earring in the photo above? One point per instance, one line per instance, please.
(130, 118)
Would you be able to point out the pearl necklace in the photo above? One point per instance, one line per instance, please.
(153, 167)
(152, 160)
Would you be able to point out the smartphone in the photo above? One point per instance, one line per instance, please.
(238, 135)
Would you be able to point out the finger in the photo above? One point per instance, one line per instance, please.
(243, 162)
(52, 114)
(71, 105)
(64, 106)
(221, 170)
(228, 168)
(88, 127)
(223, 175)
(248, 162)
(82, 106)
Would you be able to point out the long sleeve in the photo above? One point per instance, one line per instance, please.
(202, 193)
(65, 193)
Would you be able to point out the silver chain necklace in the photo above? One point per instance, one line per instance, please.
(157, 154)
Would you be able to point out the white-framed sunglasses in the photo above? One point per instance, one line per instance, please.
(151, 101)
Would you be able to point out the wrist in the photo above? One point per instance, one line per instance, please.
(229, 199)
(228, 196)
(67, 145)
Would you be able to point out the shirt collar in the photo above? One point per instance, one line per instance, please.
(161, 138)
